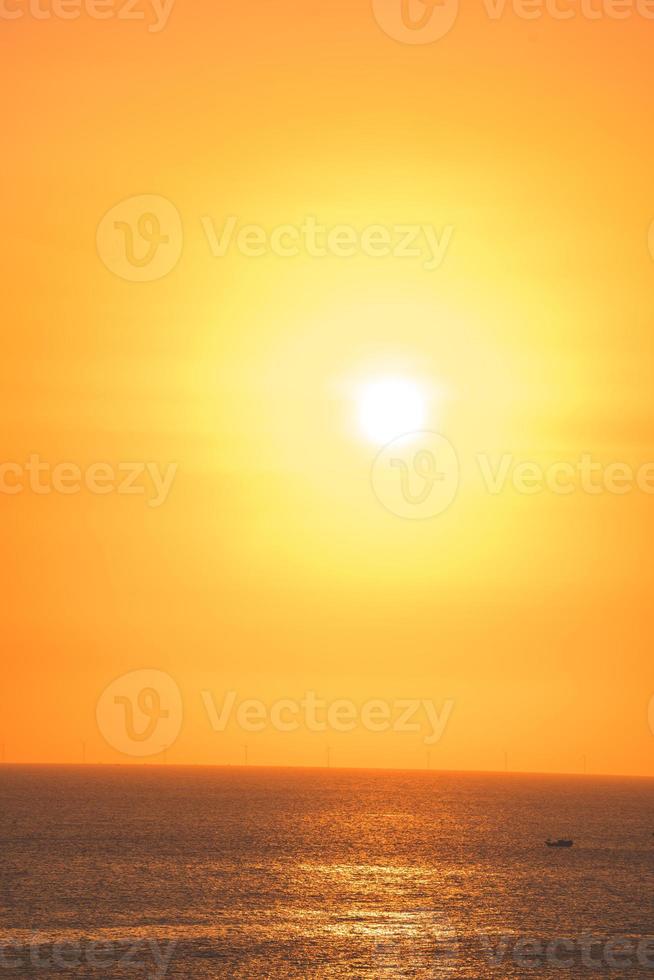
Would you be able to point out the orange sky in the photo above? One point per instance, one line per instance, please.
(272, 569)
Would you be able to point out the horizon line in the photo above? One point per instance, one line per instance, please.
(323, 768)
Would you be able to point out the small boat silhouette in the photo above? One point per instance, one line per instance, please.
(559, 843)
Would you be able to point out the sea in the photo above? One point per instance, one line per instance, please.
(159, 871)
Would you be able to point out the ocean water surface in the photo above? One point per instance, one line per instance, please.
(180, 872)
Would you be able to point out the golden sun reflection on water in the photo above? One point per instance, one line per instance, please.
(420, 935)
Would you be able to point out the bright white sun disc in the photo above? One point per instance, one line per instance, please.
(391, 407)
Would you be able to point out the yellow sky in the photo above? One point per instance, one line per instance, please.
(272, 568)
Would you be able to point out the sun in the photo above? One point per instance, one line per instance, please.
(391, 407)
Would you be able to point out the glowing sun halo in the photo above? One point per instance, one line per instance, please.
(391, 407)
